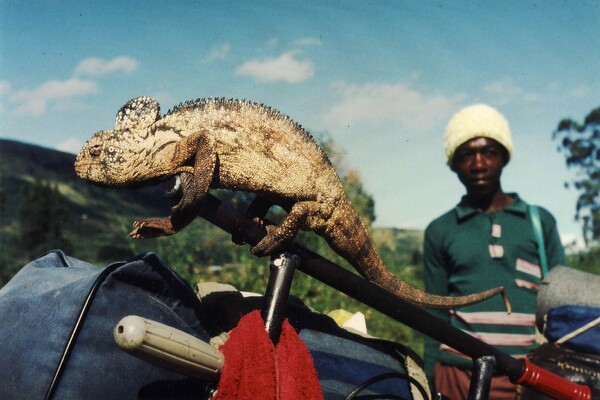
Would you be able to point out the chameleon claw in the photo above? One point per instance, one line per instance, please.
(269, 244)
(136, 230)
(151, 228)
(137, 227)
(262, 247)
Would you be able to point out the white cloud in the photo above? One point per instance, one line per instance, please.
(283, 68)
(99, 67)
(384, 102)
(5, 87)
(36, 101)
(218, 53)
(579, 92)
(308, 41)
(505, 91)
(59, 94)
(71, 145)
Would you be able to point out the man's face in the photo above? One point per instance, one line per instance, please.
(478, 164)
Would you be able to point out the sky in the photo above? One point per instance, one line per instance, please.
(379, 78)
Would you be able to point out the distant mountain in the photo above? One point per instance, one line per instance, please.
(99, 218)
(20, 163)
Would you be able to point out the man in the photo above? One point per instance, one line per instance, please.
(486, 241)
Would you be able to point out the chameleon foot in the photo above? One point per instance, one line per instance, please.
(151, 228)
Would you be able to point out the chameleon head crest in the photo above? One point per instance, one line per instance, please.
(112, 157)
(138, 113)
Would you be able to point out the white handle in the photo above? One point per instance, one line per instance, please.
(168, 347)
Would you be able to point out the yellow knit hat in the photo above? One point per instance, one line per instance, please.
(478, 120)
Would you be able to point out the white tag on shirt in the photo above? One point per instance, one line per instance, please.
(496, 251)
(496, 230)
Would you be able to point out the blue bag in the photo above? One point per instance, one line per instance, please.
(566, 319)
(57, 317)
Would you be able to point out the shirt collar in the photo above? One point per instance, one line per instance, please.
(518, 207)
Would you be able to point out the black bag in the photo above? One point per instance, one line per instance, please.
(57, 317)
(583, 368)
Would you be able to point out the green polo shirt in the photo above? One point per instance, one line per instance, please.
(467, 251)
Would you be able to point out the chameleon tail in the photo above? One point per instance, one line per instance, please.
(351, 240)
(392, 283)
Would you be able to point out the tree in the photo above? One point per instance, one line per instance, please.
(41, 217)
(580, 143)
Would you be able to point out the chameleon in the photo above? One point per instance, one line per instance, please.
(217, 143)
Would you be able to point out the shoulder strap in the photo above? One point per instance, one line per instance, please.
(534, 215)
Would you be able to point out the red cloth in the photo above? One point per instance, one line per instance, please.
(254, 369)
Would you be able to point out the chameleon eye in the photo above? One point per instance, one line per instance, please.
(111, 149)
(95, 150)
